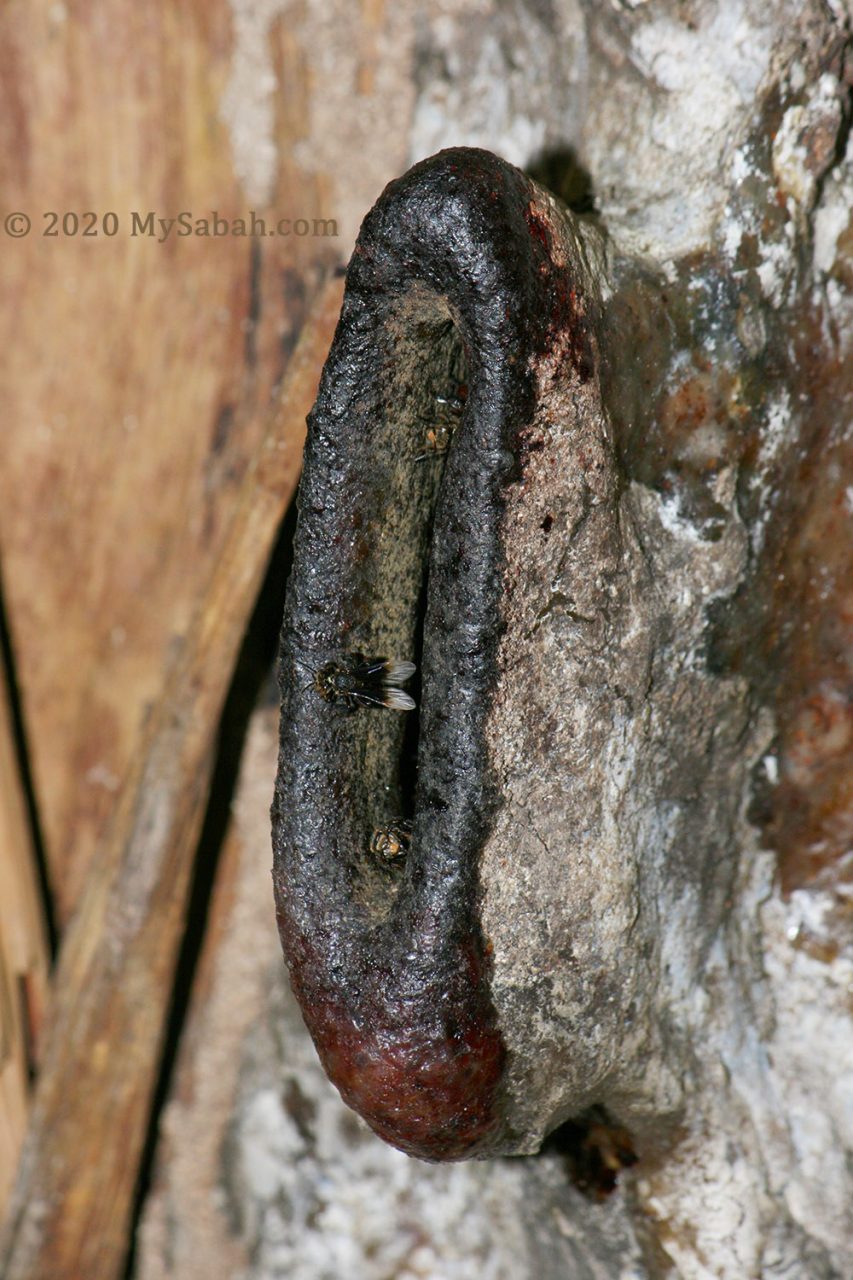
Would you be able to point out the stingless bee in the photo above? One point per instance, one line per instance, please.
(357, 681)
(392, 842)
(437, 438)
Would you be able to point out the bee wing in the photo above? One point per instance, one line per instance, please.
(367, 697)
(370, 668)
(398, 672)
(397, 700)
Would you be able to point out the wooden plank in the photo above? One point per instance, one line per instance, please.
(71, 1206)
(186, 1231)
(134, 375)
(24, 957)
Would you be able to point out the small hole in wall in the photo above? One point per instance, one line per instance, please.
(561, 173)
(594, 1149)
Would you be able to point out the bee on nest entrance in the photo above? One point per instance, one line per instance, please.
(438, 437)
(357, 681)
(391, 843)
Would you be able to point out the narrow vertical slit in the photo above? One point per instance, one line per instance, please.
(445, 402)
(29, 1023)
(25, 773)
(412, 445)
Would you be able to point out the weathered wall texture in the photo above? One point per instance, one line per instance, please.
(264, 1171)
(711, 789)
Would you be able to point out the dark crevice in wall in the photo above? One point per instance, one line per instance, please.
(20, 743)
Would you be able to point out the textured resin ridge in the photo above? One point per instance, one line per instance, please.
(465, 275)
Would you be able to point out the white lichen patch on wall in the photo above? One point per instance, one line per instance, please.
(248, 103)
(834, 213)
(487, 78)
(804, 145)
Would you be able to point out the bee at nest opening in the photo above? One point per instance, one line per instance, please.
(409, 443)
(374, 681)
(449, 408)
(439, 408)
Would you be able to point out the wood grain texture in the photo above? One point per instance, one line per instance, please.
(24, 958)
(188, 1230)
(135, 375)
(70, 1211)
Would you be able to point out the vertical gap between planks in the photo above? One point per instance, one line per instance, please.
(26, 934)
(253, 677)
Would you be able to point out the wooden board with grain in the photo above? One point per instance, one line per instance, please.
(24, 958)
(135, 375)
(70, 1212)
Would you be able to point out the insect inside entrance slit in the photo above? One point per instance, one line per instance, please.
(357, 681)
(437, 439)
(392, 842)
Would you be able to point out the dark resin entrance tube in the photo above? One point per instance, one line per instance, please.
(464, 289)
